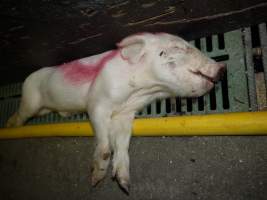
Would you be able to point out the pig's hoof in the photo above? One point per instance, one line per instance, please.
(125, 185)
(123, 180)
(97, 176)
(95, 180)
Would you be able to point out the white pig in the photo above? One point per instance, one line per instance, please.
(113, 86)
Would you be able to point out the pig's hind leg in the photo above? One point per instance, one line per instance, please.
(30, 105)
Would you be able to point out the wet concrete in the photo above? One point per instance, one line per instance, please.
(161, 168)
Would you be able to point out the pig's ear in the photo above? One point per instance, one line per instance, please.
(132, 47)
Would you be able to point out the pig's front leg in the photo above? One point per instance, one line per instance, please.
(120, 134)
(100, 118)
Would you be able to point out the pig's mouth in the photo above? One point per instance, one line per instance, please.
(204, 76)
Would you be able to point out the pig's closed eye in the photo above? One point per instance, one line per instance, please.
(162, 53)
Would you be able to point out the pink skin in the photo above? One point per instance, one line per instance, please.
(77, 72)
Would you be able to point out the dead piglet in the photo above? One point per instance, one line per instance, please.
(113, 86)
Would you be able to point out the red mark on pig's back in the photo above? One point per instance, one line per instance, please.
(81, 72)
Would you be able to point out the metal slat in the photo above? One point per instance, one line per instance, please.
(263, 40)
(195, 106)
(219, 98)
(236, 72)
(1, 118)
(215, 48)
(206, 104)
(173, 106)
(153, 108)
(163, 108)
(183, 106)
(250, 69)
(10, 90)
(215, 43)
(203, 45)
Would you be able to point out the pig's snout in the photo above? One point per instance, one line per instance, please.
(220, 72)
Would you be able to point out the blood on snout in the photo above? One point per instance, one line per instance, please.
(77, 72)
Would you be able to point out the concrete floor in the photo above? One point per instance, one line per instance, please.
(161, 168)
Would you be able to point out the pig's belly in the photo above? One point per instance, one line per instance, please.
(60, 95)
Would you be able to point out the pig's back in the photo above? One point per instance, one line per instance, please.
(66, 87)
(85, 70)
(59, 94)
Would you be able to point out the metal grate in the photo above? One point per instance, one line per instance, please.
(235, 93)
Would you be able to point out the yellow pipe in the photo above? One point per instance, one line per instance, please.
(246, 123)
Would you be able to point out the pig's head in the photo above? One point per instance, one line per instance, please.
(174, 63)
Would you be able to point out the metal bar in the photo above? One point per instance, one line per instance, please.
(250, 70)
(1, 118)
(173, 105)
(203, 45)
(246, 123)
(10, 90)
(263, 40)
(163, 107)
(207, 103)
(219, 98)
(195, 106)
(183, 106)
(236, 72)
(153, 107)
(215, 44)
